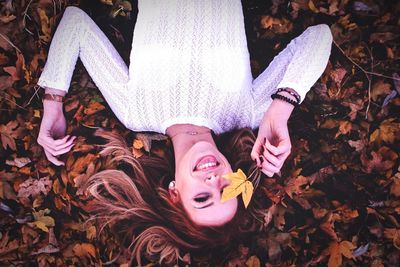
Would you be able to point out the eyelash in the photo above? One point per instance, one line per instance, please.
(202, 199)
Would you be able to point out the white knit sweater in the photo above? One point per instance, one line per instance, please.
(190, 64)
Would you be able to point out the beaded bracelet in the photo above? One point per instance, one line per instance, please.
(285, 99)
(291, 92)
(53, 97)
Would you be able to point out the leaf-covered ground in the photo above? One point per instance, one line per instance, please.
(338, 200)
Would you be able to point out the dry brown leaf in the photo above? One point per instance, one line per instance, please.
(337, 75)
(394, 235)
(380, 88)
(93, 108)
(395, 186)
(9, 133)
(380, 161)
(148, 138)
(33, 187)
(294, 185)
(18, 162)
(42, 221)
(337, 250)
(388, 131)
(253, 261)
(84, 250)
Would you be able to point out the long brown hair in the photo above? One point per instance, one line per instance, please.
(131, 196)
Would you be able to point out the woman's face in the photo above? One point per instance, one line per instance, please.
(199, 184)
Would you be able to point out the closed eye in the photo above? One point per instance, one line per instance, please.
(202, 198)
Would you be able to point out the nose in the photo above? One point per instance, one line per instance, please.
(216, 180)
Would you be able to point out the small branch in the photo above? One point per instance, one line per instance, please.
(13, 102)
(27, 16)
(361, 68)
(36, 87)
(367, 74)
(8, 41)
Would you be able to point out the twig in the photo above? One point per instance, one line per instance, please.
(8, 41)
(361, 68)
(36, 87)
(13, 102)
(25, 16)
(90, 127)
(369, 83)
(367, 74)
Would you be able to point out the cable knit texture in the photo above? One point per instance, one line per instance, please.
(189, 64)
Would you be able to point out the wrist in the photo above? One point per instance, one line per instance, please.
(280, 110)
(52, 106)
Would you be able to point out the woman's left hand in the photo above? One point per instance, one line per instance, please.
(273, 145)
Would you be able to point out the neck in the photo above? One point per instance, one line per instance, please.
(184, 136)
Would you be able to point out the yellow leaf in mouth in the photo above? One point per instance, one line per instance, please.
(239, 185)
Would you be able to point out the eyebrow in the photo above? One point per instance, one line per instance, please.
(208, 205)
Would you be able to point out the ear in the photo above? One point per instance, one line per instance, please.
(173, 194)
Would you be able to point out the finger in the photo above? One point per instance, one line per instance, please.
(283, 156)
(276, 161)
(57, 152)
(268, 173)
(53, 159)
(66, 144)
(255, 152)
(46, 146)
(63, 151)
(58, 141)
(50, 142)
(283, 147)
(269, 167)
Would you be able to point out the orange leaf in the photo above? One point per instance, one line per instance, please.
(93, 108)
(344, 128)
(84, 250)
(335, 258)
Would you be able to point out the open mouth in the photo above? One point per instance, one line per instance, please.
(206, 163)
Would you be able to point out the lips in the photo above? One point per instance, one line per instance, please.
(206, 163)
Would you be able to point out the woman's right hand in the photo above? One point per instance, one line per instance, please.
(52, 132)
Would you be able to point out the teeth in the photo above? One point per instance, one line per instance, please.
(206, 165)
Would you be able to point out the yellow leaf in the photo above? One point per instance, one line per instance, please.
(239, 185)
(42, 221)
(346, 248)
(312, 6)
(253, 261)
(247, 193)
(344, 128)
(137, 144)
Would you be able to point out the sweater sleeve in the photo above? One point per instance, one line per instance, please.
(309, 56)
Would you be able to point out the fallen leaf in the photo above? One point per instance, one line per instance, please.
(253, 261)
(394, 235)
(148, 138)
(42, 221)
(84, 250)
(93, 108)
(337, 250)
(33, 187)
(388, 131)
(380, 88)
(18, 162)
(239, 185)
